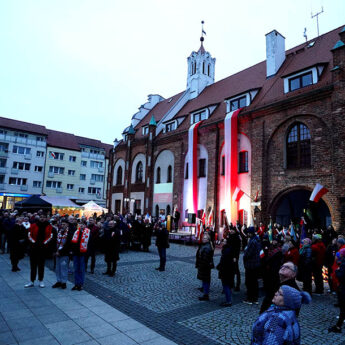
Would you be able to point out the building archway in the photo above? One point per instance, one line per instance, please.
(294, 203)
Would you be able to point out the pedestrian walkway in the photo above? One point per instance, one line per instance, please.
(47, 316)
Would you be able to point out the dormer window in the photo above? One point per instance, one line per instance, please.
(145, 130)
(237, 103)
(170, 126)
(199, 116)
(300, 81)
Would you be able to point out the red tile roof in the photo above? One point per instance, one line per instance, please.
(22, 126)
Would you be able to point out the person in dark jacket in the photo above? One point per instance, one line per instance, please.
(162, 243)
(147, 233)
(17, 240)
(204, 264)
(305, 265)
(270, 268)
(62, 255)
(92, 245)
(279, 324)
(251, 260)
(329, 260)
(318, 254)
(112, 243)
(226, 268)
(39, 235)
(235, 242)
(340, 273)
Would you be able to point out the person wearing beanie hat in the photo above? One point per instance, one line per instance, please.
(305, 265)
(279, 325)
(340, 273)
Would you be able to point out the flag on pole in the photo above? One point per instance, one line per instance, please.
(303, 230)
(203, 219)
(237, 194)
(318, 192)
(293, 233)
(52, 154)
(256, 196)
(262, 254)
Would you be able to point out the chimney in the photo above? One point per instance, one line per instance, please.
(275, 52)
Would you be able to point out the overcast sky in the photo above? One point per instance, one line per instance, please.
(85, 66)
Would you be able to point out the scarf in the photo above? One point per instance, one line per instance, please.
(84, 239)
(61, 238)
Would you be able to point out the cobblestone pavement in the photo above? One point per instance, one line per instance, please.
(167, 302)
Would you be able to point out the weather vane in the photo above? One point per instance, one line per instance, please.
(317, 19)
(203, 32)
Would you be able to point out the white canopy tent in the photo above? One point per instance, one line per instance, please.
(62, 204)
(91, 208)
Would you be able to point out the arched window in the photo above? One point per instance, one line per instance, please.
(158, 176)
(139, 172)
(169, 174)
(203, 68)
(119, 176)
(168, 210)
(298, 153)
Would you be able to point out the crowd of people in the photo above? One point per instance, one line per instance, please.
(280, 256)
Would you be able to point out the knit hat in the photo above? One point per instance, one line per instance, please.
(307, 241)
(293, 298)
(341, 240)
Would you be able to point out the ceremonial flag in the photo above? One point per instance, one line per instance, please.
(210, 218)
(237, 194)
(203, 219)
(318, 192)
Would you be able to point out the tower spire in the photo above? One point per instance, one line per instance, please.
(203, 32)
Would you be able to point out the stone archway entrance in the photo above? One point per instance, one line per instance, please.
(294, 204)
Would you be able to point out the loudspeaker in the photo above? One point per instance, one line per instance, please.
(191, 218)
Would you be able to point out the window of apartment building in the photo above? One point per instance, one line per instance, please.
(81, 190)
(40, 154)
(119, 176)
(3, 132)
(237, 103)
(243, 162)
(169, 174)
(97, 178)
(3, 162)
(170, 126)
(17, 181)
(72, 158)
(96, 152)
(145, 130)
(202, 167)
(71, 172)
(82, 177)
(201, 115)
(21, 150)
(300, 81)
(56, 155)
(20, 135)
(93, 190)
(56, 170)
(222, 171)
(298, 151)
(96, 164)
(21, 166)
(42, 139)
(2, 178)
(158, 176)
(83, 163)
(53, 184)
(38, 168)
(4, 147)
(139, 172)
(70, 186)
(37, 184)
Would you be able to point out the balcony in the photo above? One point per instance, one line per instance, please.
(50, 174)
(14, 171)
(3, 153)
(28, 156)
(3, 170)
(24, 188)
(2, 186)
(59, 190)
(92, 182)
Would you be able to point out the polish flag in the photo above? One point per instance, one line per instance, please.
(203, 219)
(237, 194)
(256, 196)
(53, 154)
(318, 192)
(210, 218)
(262, 254)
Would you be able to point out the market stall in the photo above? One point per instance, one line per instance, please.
(91, 208)
(63, 205)
(33, 204)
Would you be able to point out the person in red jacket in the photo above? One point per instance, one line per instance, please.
(318, 254)
(39, 235)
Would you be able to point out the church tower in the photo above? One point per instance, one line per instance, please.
(201, 67)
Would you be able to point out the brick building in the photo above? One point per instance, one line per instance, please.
(273, 130)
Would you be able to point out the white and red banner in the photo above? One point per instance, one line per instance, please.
(238, 193)
(318, 192)
(210, 218)
(192, 159)
(231, 162)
